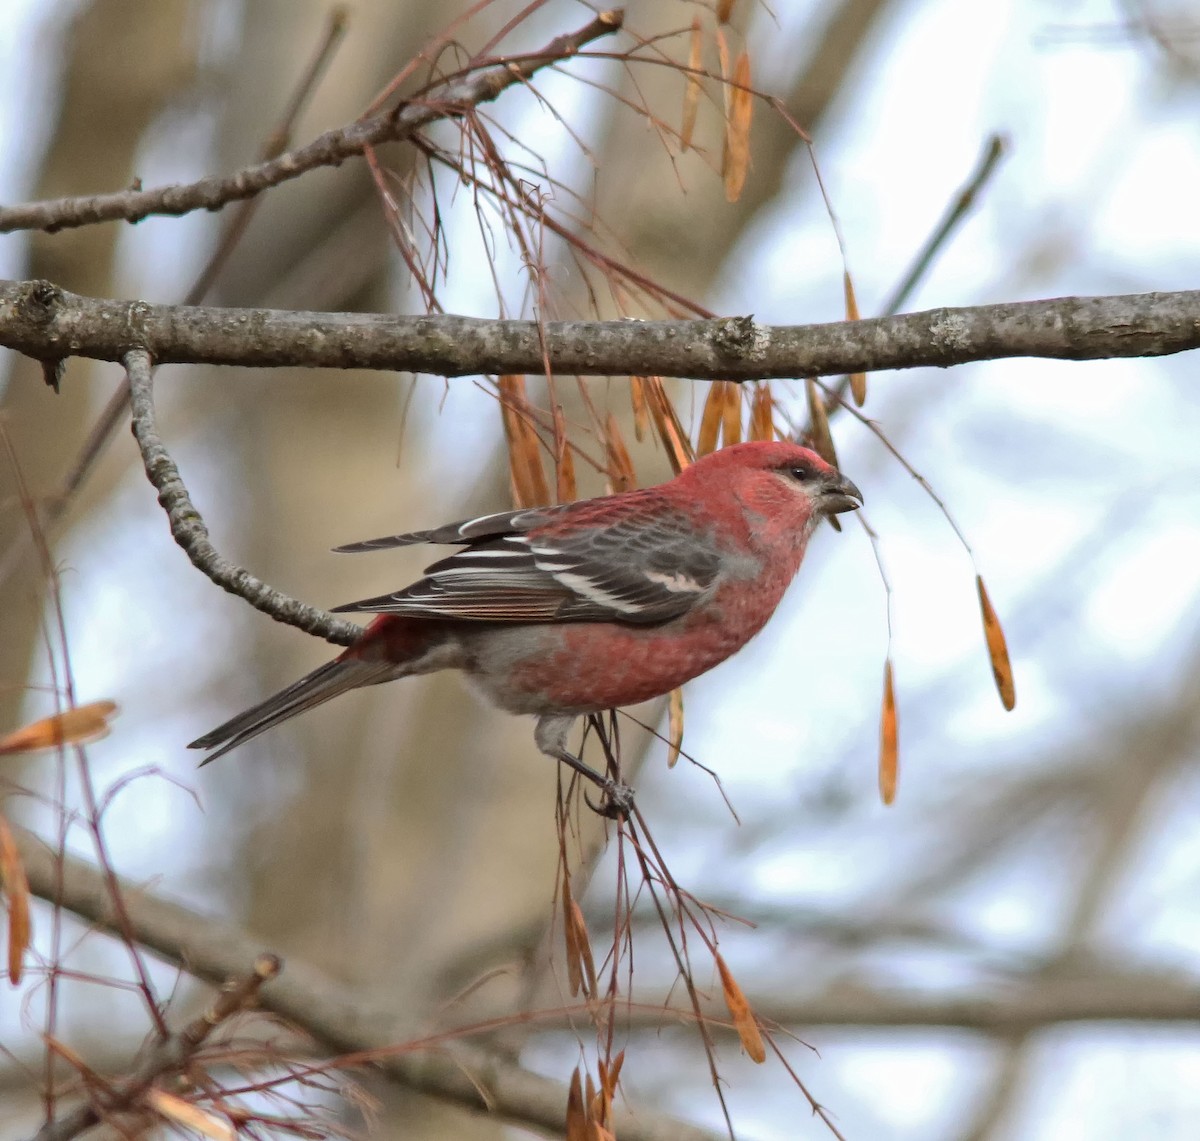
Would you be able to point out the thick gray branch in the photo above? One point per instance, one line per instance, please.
(45, 322)
(330, 149)
(459, 1072)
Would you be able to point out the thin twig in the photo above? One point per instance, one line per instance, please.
(169, 1055)
(276, 142)
(954, 214)
(330, 149)
(952, 217)
(189, 531)
(87, 787)
(462, 1073)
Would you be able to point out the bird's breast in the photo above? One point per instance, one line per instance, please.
(588, 666)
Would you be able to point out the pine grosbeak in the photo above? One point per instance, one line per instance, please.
(562, 611)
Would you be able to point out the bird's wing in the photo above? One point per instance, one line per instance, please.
(467, 531)
(557, 565)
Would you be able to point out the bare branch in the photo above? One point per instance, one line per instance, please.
(209, 949)
(449, 100)
(1085, 991)
(189, 531)
(45, 322)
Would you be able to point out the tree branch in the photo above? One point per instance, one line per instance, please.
(48, 323)
(1085, 993)
(188, 528)
(209, 949)
(1080, 992)
(449, 100)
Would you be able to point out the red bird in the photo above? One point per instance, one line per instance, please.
(562, 611)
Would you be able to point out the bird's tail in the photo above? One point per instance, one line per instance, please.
(311, 690)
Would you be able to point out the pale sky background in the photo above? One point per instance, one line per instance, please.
(1048, 467)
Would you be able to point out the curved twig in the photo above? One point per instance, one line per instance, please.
(188, 528)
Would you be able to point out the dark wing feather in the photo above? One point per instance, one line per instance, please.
(629, 568)
(466, 531)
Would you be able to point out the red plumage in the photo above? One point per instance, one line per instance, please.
(588, 606)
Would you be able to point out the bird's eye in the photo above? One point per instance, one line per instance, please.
(800, 473)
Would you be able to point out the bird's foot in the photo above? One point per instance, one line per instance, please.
(616, 800)
(616, 803)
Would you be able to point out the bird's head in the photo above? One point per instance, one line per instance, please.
(784, 483)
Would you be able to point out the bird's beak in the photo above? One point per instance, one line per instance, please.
(839, 494)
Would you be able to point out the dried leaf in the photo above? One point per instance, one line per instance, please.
(641, 414)
(858, 380)
(609, 1073)
(735, 161)
(852, 313)
(691, 92)
(71, 727)
(724, 10)
(621, 475)
(589, 1099)
(564, 461)
(744, 1021)
(723, 63)
(670, 430)
(822, 439)
(16, 887)
(585, 948)
(601, 1105)
(612, 1074)
(997, 648)
(889, 752)
(567, 490)
(710, 419)
(674, 727)
(577, 1123)
(762, 413)
(184, 1113)
(571, 940)
(731, 429)
(526, 473)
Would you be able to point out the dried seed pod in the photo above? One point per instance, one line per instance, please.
(858, 380)
(75, 726)
(711, 419)
(889, 754)
(762, 413)
(621, 476)
(526, 473)
(674, 727)
(731, 420)
(997, 648)
(670, 430)
(735, 161)
(16, 888)
(744, 1021)
(691, 92)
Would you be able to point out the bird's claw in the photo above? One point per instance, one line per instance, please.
(616, 803)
